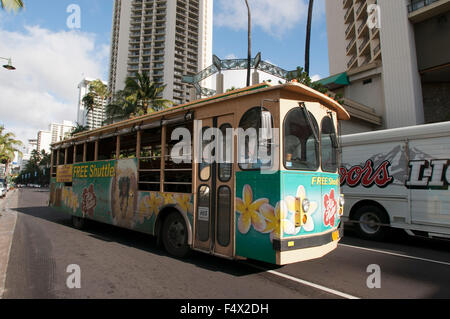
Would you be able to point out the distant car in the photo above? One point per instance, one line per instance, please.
(2, 190)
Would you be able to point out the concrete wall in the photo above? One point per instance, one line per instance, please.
(336, 36)
(402, 86)
(433, 41)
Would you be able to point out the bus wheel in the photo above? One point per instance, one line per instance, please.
(77, 222)
(369, 219)
(175, 236)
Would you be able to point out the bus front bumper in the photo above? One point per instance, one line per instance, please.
(292, 250)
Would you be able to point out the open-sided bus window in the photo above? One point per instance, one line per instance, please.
(107, 148)
(54, 163)
(178, 164)
(328, 143)
(249, 155)
(128, 146)
(90, 152)
(62, 155)
(70, 155)
(79, 153)
(150, 160)
(301, 148)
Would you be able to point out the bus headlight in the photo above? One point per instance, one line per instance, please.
(305, 205)
(341, 200)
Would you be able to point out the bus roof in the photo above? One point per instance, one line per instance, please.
(293, 87)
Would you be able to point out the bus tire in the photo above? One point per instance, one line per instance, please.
(77, 222)
(175, 236)
(368, 219)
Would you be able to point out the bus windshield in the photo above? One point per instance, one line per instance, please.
(301, 147)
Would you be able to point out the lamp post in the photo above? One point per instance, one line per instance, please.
(8, 66)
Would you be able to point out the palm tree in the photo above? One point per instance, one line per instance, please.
(12, 4)
(8, 147)
(96, 90)
(249, 56)
(308, 35)
(78, 129)
(145, 93)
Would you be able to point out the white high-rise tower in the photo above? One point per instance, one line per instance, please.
(164, 38)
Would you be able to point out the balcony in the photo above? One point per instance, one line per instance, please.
(420, 10)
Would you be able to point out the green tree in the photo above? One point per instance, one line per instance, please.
(139, 97)
(96, 90)
(78, 129)
(12, 4)
(146, 94)
(8, 147)
(303, 78)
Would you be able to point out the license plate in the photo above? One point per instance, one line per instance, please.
(335, 235)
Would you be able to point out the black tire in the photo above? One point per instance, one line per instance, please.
(175, 236)
(368, 219)
(78, 222)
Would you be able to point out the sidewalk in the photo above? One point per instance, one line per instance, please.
(7, 225)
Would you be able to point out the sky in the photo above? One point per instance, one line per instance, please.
(52, 54)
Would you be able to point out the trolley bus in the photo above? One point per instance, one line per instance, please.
(153, 174)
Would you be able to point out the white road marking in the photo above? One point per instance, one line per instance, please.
(398, 255)
(306, 283)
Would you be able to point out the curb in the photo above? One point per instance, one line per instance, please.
(8, 220)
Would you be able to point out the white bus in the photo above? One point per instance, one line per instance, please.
(398, 178)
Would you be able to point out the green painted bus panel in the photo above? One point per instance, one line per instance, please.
(265, 209)
(322, 192)
(254, 191)
(107, 192)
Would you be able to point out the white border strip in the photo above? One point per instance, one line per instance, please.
(307, 283)
(397, 255)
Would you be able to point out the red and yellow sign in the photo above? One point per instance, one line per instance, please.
(64, 174)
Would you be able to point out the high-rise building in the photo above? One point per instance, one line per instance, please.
(61, 131)
(44, 139)
(396, 55)
(95, 117)
(164, 38)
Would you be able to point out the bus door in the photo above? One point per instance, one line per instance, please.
(214, 217)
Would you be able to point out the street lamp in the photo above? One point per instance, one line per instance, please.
(8, 66)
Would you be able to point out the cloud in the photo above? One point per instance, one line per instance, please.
(49, 65)
(273, 17)
(316, 77)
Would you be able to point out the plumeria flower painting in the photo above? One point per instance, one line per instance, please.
(249, 211)
(308, 221)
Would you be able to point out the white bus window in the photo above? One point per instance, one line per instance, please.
(328, 146)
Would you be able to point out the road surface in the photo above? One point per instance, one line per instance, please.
(117, 263)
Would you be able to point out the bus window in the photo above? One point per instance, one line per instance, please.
(204, 204)
(204, 168)
(107, 148)
(249, 157)
(54, 162)
(128, 146)
(70, 155)
(90, 152)
(178, 166)
(223, 215)
(301, 148)
(62, 155)
(329, 147)
(225, 164)
(79, 153)
(150, 160)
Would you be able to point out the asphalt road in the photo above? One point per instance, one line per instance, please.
(117, 263)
